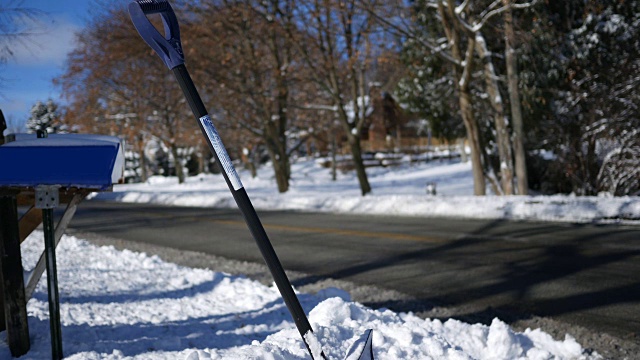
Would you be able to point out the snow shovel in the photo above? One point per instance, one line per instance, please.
(169, 49)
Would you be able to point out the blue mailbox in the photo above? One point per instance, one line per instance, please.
(39, 169)
(68, 160)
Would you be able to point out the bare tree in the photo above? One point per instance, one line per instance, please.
(110, 74)
(248, 55)
(18, 24)
(337, 49)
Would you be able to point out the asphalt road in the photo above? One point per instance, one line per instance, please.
(582, 274)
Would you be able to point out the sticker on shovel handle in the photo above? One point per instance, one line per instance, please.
(220, 150)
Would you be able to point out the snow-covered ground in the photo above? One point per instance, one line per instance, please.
(127, 305)
(396, 191)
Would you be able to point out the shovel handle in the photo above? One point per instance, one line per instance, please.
(170, 50)
(153, 6)
(167, 46)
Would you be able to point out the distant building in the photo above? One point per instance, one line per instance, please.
(389, 127)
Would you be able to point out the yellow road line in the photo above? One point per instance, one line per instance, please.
(317, 230)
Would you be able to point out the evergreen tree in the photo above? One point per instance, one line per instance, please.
(44, 116)
(586, 95)
(428, 90)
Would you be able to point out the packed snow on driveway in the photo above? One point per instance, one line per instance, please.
(128, 305)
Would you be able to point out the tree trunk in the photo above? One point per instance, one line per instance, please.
(279, 157)
(462, 71)
(590, 168)
(463, 152)
(514, 100)
(473, 136)
(250, 163)
(358, 90)
(353, 137)
(502, 132)
(201, 167)
(281, 173)
(334, 157)
(255, 161)
(177, 163)
(398, 148)
(358, 163)
(143, 166)
(276, 138)
(140, 145)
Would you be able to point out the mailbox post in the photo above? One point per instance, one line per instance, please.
(74, 165)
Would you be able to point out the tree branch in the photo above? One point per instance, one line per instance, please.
(478, 26)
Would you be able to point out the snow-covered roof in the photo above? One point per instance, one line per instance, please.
(69, 160)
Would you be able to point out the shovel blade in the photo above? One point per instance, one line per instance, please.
(362, 349)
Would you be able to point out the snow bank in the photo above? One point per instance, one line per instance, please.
(396, 191)
(127, 305)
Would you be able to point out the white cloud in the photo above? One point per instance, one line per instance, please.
(49, 46)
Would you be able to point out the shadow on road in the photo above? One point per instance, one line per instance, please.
(503, 270)
(526, 276)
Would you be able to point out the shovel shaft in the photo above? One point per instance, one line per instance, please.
(169, 49)
(243, 202)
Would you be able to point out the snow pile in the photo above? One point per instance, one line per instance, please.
(396, 191)
(126, 305)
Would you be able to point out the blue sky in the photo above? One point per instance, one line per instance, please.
(27, 76)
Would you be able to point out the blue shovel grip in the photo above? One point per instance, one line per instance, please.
(153, 6)
(168, 46)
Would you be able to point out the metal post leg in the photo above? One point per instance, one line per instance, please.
(47, 199)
